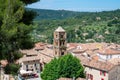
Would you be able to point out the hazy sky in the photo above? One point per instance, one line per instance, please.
(77, 5)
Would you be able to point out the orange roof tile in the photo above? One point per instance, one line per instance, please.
(29, 52)
(32, 58)
(100, 65)
(109, 51)
(115, 61)
(95, 57)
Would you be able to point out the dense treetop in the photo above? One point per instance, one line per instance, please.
(66, 66)
(15, 28)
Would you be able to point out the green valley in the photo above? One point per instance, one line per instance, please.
(80, 26)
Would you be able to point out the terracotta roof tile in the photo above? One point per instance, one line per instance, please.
(100, 65)
(115, 61)
(109, 51)
(24, 59)
(29, 52)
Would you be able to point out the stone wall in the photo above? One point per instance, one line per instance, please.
(114, 74)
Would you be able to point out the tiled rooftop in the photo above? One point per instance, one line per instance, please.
(32, 58)
(59, 29)
(100, 65)
(115, 61)
(47, 54)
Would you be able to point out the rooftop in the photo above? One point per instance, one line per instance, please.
(100, 65)
(46, 54)
(109, 51)
(59, 29)
(32, 58)
(115, 61)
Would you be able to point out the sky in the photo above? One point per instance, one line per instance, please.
(77, 5)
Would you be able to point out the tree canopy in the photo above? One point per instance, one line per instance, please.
(66, 66)
(15, 27)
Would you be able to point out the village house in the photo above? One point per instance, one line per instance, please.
(99, 70)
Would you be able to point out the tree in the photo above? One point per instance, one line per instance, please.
(15, 26)
(66, 66)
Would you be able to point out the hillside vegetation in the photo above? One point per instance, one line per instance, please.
(43, 14)
(81, 27)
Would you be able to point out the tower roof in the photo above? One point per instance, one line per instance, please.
(60, 29)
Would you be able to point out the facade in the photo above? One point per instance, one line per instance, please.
(95, 74)
(30, 61)
(33, 65)
(96, 70)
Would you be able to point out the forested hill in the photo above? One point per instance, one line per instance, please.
(43, 14)
(80, 26)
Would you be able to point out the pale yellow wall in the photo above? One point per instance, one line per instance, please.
(31, 65)
(95, 73)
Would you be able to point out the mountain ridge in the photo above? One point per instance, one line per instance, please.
(48, 14)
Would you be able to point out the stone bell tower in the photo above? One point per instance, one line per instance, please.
(60, 43)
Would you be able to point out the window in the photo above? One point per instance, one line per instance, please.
(61, 36)
(63, 43)
(103, 73)
(102, 79)
(55, 52)
(107, 57)
(26, 69)
(89, 76)
(26, 66)
(56, 36)
(62, 53)
(100, 72)
(35, 64)
(110, 56)
(60, 43)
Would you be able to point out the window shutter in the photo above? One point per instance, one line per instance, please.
(104, 73)
(100, 72)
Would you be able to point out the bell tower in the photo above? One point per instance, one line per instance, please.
(59, 42)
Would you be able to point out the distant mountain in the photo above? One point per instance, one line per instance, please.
(44, 14)
(53, 14)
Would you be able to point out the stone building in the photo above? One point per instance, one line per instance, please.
(30, 61)
(59, 42)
